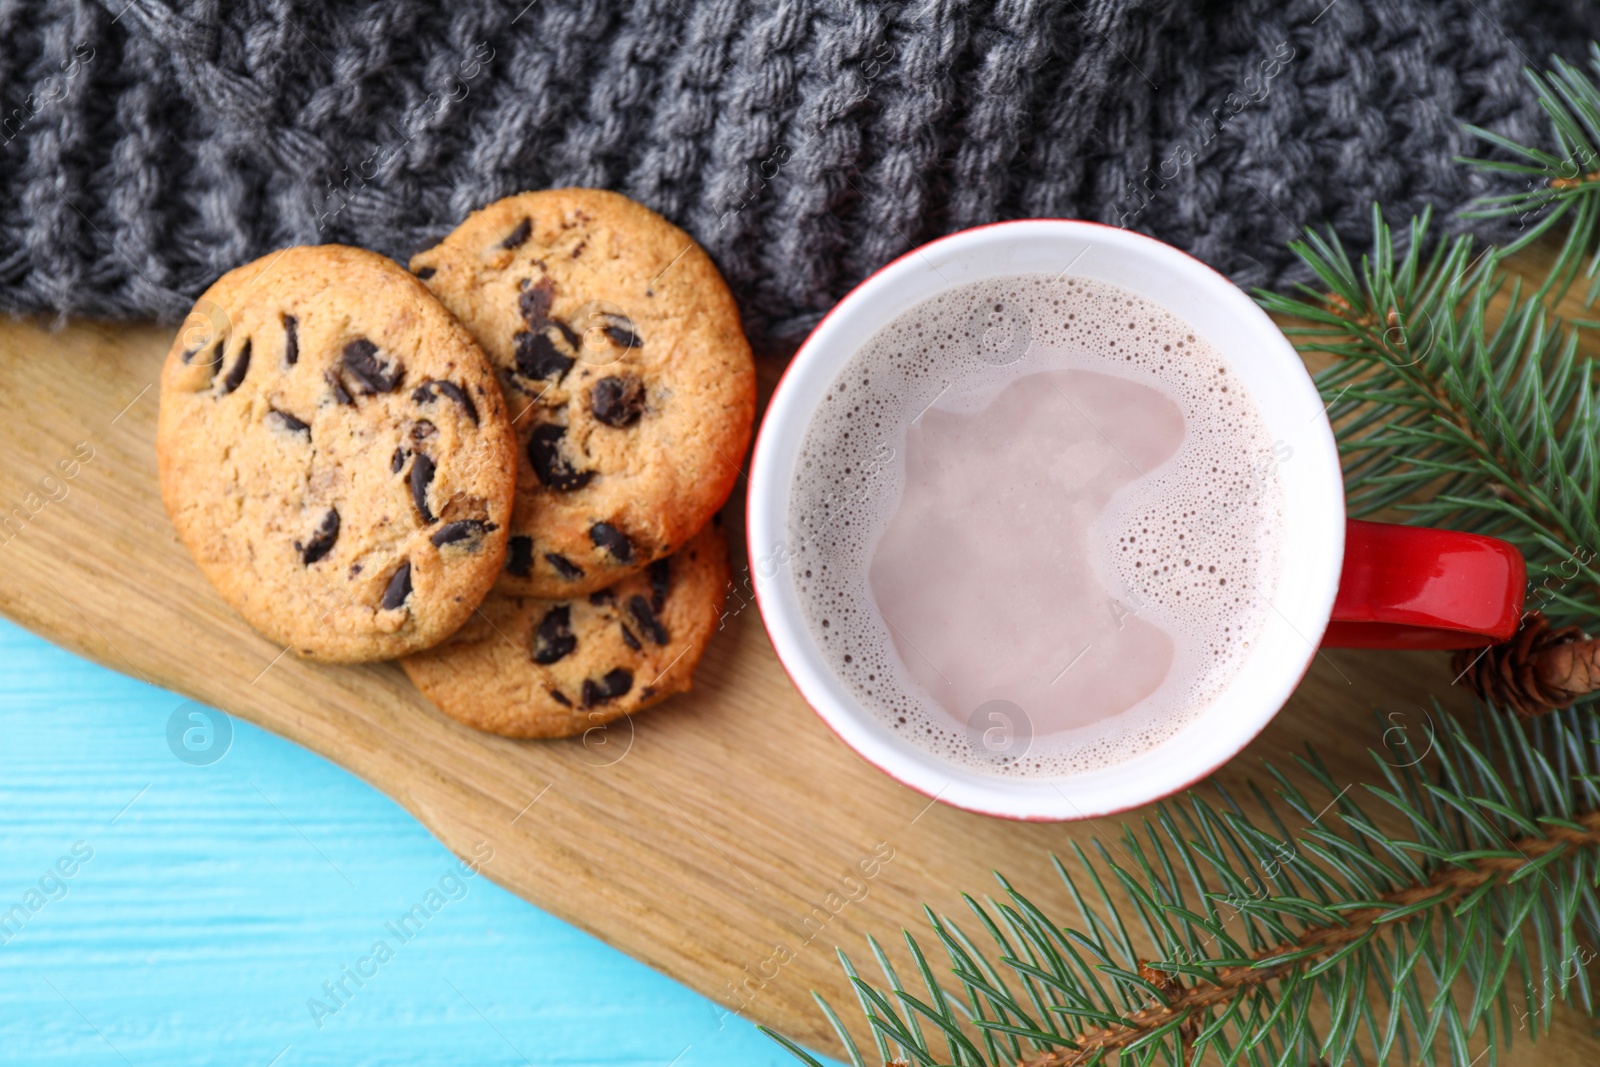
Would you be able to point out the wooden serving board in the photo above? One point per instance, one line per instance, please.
(697, 839)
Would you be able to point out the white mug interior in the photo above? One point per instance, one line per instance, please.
(1313, 509)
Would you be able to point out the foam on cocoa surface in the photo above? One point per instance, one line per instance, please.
(1191, 546)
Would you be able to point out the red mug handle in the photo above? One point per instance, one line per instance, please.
(1412, 587)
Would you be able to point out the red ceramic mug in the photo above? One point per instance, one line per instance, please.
(1345, 583)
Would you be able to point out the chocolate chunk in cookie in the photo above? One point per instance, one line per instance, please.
(553, 640)
(241, 366)
(614, 541)
(437, 387)
(660, 581)
(550, 462)
(341, 395)
(320, 543)
(619, 328)
(422, 471)
(538, 359)
(398, 591)
(371, 372)
(287, 423)
(617, 401)
(615, 683)
(533, 301)
(519, 558)
(465, 533)
(564, 566)
(645, 616)
(519, 235)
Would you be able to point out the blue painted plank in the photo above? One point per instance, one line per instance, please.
(268, 908)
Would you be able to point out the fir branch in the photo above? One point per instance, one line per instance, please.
(1448, 885)
(1561, 185)
(1458, 397)
(1227, 934)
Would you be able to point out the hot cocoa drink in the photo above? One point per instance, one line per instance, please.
(1035, 526)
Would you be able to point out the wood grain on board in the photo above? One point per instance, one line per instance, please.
(697, 838)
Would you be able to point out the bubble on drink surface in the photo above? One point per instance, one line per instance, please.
(1194, 546)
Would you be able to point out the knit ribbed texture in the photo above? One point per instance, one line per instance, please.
(146, 149)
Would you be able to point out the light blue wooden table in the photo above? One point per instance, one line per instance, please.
(166, 911)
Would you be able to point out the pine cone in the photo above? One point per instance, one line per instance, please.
(1538, 670)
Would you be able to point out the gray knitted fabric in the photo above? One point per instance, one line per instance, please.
(147, 148)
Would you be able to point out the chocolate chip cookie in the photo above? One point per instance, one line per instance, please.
(625, 369)
(336, 454)
(537, 667)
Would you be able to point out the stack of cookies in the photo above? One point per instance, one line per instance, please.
(502, 468)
